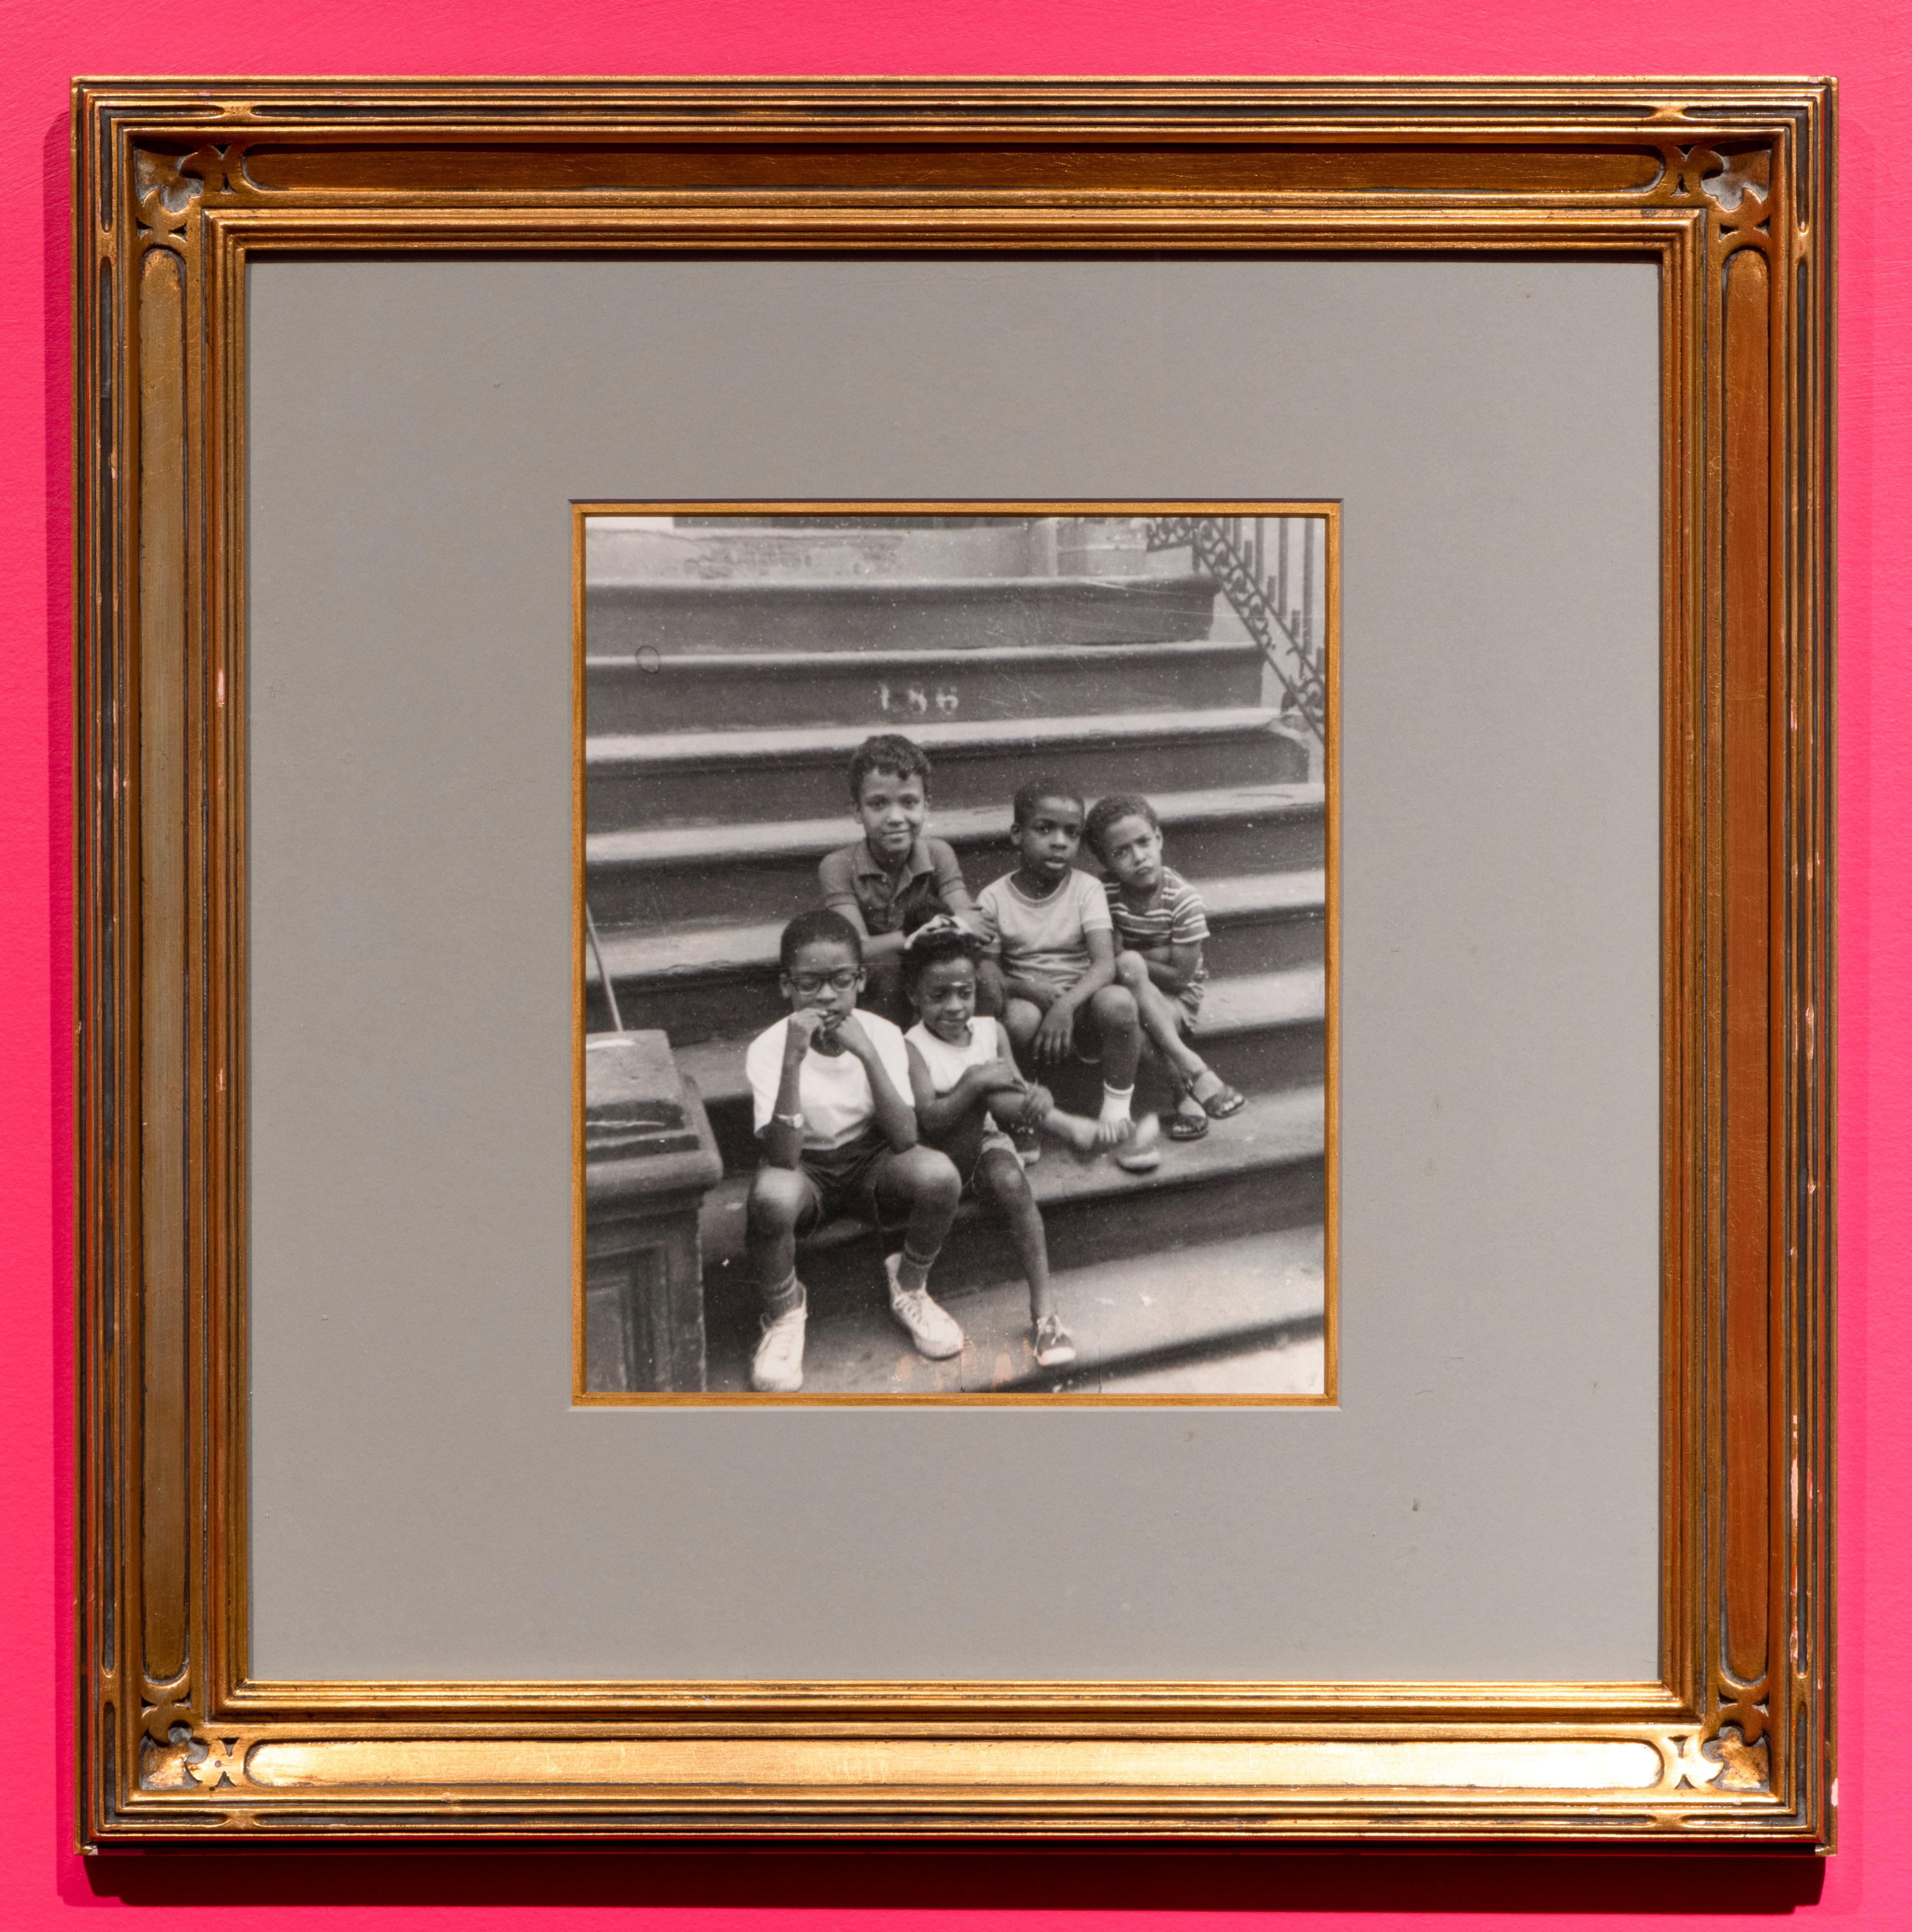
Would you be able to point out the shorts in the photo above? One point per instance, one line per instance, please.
(966, 1144)
(1057, 983)
(842, 1180)
(1087, 1029)
(994, 1137)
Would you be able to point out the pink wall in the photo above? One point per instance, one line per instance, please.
(1867, 44)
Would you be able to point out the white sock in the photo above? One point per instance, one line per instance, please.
(1115, 1103)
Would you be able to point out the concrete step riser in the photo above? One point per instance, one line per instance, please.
(616, 552)
(1267, 945)
(629, 701)
(620, 621)
(1271, 1060)
(810, 788)
(724, 1001)
(1078, 1234)
(745, 890)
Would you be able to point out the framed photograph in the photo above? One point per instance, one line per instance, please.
(1168, 675)
(954, 959)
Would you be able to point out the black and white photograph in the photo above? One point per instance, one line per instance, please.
(956, 935)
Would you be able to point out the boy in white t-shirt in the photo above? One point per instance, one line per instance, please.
(967, 1088)
(1050, 927)
(830, 1087)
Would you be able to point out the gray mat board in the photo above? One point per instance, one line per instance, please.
(1483, 1505)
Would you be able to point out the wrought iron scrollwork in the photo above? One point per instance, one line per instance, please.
(1226, 548)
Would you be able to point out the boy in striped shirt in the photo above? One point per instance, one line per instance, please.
(1160, 925)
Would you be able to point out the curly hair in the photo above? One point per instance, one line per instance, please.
(887, 753)
(1105, 811)
(931, 944)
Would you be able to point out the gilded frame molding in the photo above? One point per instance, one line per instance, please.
(1726, 183)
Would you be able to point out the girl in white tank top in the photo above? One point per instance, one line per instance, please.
(967, 1089)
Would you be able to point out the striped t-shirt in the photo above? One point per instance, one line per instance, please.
(1176, 918)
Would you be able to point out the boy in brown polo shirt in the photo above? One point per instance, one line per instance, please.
(895, 877)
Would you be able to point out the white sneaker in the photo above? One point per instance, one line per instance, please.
(1140, 1154)
(777, 1367)
(933, 1329)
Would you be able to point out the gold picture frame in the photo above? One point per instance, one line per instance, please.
(1725, 184)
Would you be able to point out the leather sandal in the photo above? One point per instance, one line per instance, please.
(1224, 1101)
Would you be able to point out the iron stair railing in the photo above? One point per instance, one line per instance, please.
(1233, 551)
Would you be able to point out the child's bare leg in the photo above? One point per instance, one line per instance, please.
(782, 1200)
(964, 1142)
(1009, 1112)
(1160, 1017)
(1072, 1129)
(1000, 1180)
(1119, 1029)
(779, 1198)
(925, 1186)
(1020, 1019)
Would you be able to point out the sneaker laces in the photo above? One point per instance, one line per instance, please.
(790, 1322)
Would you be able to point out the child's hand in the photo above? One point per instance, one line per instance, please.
(1056, 1036)
(1037, 1107)
(805, 1023)
(997, 1076)
(854, 1037)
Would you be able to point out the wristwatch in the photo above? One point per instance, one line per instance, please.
(789, 1120)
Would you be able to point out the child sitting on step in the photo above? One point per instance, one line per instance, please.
(895, 876)
(830, 1087)
(1161, 924)
(1053, 955)
(967, 1088)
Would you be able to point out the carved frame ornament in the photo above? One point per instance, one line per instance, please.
(1726, 184)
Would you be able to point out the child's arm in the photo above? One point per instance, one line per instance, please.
(840, 896)
(991, 979)
(1173, 963)
(1056, 1036)
(951, 890)
(895, 1118)
(937, 1114)
(782, 1143)
(1173, 967)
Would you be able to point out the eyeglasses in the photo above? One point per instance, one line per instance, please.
(811, 984)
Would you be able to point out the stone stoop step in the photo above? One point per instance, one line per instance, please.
(880, 612)
(675, 777)
(642, 549)
(715, 977)
(1260, 1170)
(663, 875)
(896, 690)
(1185, 1308)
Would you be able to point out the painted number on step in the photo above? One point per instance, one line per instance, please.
(915, 700)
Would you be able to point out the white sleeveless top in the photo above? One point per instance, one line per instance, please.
(947, 1063)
